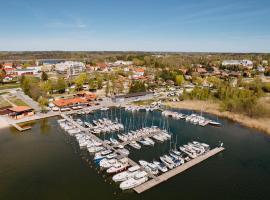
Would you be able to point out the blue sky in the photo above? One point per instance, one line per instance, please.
(143, 25)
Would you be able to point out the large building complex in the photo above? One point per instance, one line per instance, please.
(70, 67)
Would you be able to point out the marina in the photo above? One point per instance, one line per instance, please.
(112, 154)
(63, 162)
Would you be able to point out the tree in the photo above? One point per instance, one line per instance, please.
(29, 84)
(179, 79)
(92, 84)
(107, 89)
(137, 86)
(44, 76)
(80, 80)
(43, 103)
(46, 87)
(2, 74)
(60, 85)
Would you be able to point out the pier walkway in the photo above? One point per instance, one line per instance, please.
(164, 177)
(131, 162)
(138, 138)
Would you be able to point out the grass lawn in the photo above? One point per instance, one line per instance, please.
(17, 102)
(9, 86)
(3, 103)
(143, 102)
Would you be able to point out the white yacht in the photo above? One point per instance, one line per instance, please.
(139, 179)
(131, 172)
(135, 145)
(161, 166)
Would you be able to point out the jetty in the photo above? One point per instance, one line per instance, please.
(19, 128)
(164, 177)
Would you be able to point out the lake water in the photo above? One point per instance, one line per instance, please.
(46, 163)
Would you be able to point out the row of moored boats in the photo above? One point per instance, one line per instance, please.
(193, 118)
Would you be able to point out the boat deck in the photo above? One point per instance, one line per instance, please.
(164, 177)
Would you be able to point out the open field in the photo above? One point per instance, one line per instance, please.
(9, 86)
(3, 102)
(262, 124)
(18, 102)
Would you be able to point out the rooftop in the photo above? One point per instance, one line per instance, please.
(20, 108)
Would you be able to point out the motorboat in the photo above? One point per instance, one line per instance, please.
(123, 176)
(161, 166)
(118, 167)
(107, 163)
(139, 179)
(164, 161)
(135, 145)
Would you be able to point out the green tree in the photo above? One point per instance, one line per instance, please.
(60, 85)
(43, 103)
(179, 79)
(46, 87)
(44, 76)
(2, 75)
(80, 80)
(137, 86)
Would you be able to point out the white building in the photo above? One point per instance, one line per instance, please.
(20, 72)
(121, 62)
(245, 63)
(70, 67)
(36, 69)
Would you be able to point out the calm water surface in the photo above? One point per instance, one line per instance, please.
(45, 163)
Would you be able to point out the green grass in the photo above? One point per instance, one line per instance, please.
(144, 102)
(3, 103)
(9, 86)
(17, 102)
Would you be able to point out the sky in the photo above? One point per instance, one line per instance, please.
(135, 25)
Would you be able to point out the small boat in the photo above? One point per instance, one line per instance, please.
(135, 145)
(138, 179)
(118, 167)
(123, 176)
(161, 166)
(164, 161)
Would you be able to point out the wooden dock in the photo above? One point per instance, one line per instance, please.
(164, 177)
(19, 128)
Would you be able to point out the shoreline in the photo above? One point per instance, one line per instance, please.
(261, 124)
(3, 123)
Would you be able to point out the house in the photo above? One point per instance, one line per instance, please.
(7, 79)
(36, 69)
(19, 112)
(89, 96)
(133, 96)
(103, 67)
(261, 69)
(7, 65)
(61, 103)
(10, 71)
(121, 62)
(70, 67)
(265, 62)
(82, 98)
(21, 72)
(244, 63)
(201, 70)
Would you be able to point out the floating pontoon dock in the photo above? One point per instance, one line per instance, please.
(164, 177)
